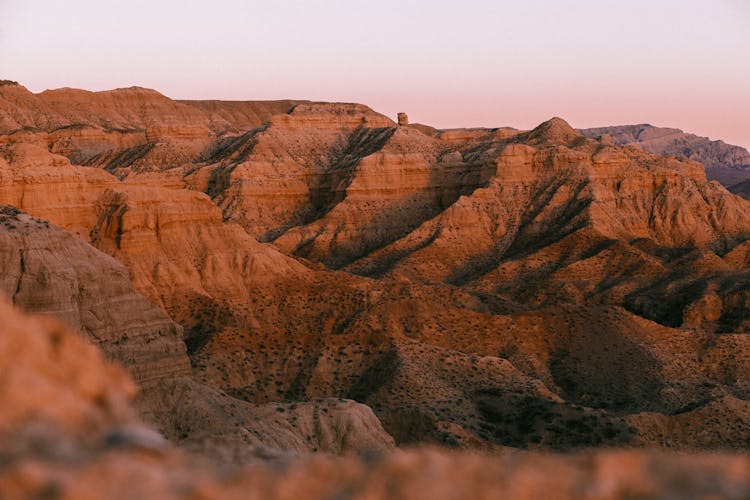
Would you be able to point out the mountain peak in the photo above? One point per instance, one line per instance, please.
(553, 131)
(135, 89)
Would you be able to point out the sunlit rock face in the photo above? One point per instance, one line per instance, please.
(317, 277)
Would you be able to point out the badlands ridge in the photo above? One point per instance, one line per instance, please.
(281, 278)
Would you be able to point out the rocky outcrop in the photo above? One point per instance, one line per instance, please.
(218, 272)
(49, 187)
(67, 427)
(383, 196)
(531, 193)
(725, 163)
(206, 421)
(48, 270)
(124, 129)
(278, 177)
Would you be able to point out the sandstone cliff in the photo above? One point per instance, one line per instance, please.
(46, 269)
(51, 271)
(478, 288)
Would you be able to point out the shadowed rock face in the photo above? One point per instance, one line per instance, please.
(67, 429)
(476, 288)
(46, 269)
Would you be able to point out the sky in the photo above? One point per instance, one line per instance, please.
(679, 63)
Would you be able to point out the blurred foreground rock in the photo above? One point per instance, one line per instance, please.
(67, 431)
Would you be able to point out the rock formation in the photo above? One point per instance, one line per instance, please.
(67, 429)
(46, 269)
(265, 270)
(725, 163)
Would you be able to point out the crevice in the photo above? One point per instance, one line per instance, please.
(22, 271)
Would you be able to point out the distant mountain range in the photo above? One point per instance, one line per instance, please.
(724, 162)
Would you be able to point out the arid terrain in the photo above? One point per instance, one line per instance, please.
(204, 294)
(725, 163)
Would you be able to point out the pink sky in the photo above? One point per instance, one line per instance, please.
(683, 64)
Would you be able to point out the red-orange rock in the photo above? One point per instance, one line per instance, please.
(477, 288)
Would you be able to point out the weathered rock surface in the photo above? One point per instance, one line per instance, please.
(49, 187)
(202, 419)
(278, 176)
(124, 130)
(67, 429)
(725, 163)
(478, 288)
(51, 271)
(48, 270)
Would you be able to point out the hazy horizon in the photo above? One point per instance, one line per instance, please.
(595, 63)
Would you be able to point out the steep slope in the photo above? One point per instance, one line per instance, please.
(124, 129)
(46, 269)
(477, 288)
(540, 195)
(49, 187)
(218, 271)
(384, 195)
(66, 429)
(49, 270)
(560, 199)
(278, 176)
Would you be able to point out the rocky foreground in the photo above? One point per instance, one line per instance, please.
(67, 430)
(284, 278)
